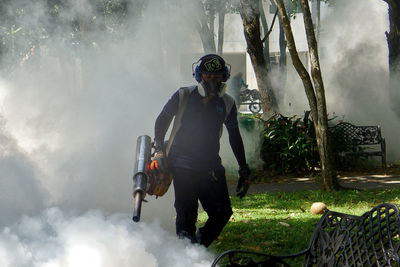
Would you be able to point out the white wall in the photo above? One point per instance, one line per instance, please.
(234, 41)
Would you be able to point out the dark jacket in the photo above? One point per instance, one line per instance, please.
(196, 144)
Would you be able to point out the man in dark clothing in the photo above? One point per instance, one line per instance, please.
(194, 154)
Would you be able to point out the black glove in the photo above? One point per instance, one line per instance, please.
(158, 163)
(243, 182)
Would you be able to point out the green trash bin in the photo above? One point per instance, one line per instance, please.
(247, 123)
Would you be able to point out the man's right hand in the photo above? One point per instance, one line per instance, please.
(158, 163)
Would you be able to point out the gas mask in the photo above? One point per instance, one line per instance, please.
(211, 88)
(211, 72)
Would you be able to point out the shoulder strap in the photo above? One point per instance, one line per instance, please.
(229, 102)
(184, 93)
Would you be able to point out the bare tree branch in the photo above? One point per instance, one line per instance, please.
(270, 29)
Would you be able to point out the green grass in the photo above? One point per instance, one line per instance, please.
(281, 223)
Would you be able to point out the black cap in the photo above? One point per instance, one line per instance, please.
(211, 63)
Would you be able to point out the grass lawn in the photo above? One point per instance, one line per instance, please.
(281, 223)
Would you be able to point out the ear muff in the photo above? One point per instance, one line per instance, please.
(197, 74)
(226, 73)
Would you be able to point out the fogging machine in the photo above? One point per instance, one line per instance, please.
(144, 180)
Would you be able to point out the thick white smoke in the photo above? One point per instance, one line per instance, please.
(70, 115)
(356, 73)
(55, 239)
(70, 118)
(20, 191)
(354, 63)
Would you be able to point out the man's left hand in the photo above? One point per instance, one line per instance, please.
(243, 182)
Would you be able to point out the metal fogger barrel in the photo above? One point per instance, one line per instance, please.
(140, 177)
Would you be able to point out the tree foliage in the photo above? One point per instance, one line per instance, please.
(25, 25)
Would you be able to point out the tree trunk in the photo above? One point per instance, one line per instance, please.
(315, 94)
(210, 24)
(393, 40)
(250, 14)
(264, 24)
(318, 22)
(393, 37)
(279, 87)
(203, 28)
(282, 58)
(316, 16)
(221, 24)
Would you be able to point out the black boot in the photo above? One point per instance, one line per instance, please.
(184, 234)
(198, 237)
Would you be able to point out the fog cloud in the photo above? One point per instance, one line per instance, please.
(93, 239)
(354, 64)
(72, 109)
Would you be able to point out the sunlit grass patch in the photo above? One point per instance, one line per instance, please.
(281, 223)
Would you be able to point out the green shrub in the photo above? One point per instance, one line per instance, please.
(287, 144)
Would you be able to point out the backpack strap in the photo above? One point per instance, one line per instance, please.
(229, 102)
(184, 93)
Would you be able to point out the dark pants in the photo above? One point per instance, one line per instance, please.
(211, 189)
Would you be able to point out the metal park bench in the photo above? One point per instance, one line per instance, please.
(352, 140)
(339, 239)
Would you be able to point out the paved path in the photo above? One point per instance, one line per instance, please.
(299, 184)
